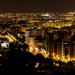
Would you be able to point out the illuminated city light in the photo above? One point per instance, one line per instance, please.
(66, 43)
(37, 65)
(60, 22)
(45, 14)
(57, 64)
(0, 55)
(5, 45)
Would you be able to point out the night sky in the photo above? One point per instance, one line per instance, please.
(37, 5)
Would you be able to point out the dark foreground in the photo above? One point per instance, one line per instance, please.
(18, 60)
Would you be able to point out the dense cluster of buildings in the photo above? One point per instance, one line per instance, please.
(52, 32)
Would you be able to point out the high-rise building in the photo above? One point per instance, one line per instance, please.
(50, 43)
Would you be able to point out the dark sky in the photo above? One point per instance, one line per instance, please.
(37, 5)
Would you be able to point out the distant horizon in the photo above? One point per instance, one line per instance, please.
(38, 11)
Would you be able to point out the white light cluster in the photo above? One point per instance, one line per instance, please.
(5, 45)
